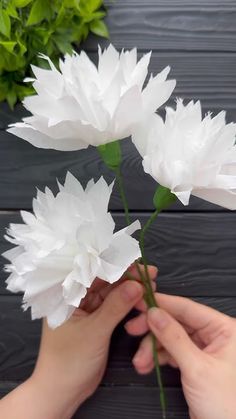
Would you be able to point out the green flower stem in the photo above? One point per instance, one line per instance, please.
(152, 303)
(128, 221)
(142, 237)
(159, 377)
(149, 295)
(145, 278)
(122, 194)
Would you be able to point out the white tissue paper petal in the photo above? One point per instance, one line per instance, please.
(81, 104)
(64, 245)
(190, 154)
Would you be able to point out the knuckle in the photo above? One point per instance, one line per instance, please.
(226, 330)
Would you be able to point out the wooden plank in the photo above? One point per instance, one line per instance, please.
(180, 3)
(23, 168)
(132, 403)
(19, 342)
(195, 253)
(6, 387)
(9, 116)
(128, 403)
(172, 25)
(209, 77)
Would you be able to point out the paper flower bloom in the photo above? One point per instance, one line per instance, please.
(190, 155)
(64, 246)
(83, 105)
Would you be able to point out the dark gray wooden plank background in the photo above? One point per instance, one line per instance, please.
(194, 247)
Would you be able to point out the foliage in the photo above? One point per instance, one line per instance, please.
(53, 27)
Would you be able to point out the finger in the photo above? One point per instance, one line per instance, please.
(143, 359)
(174, 339)
(144, 354)
(134, 271)
(117, 305)
(97, 285)
(144, 369)
(164, 358)
(189, 312)
(93, 302)
(138, 325)
(105, 289)
(141, 306)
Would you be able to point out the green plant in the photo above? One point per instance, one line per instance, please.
(29, 27)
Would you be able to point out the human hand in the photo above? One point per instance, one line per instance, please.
(73, 357)
(198, 340)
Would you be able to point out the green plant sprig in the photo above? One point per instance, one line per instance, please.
(29, 27)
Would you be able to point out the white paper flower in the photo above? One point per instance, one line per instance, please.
(190, 155)
(83, 105)
(64, 246)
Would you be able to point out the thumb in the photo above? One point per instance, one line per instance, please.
(117, 304)
(174, 339)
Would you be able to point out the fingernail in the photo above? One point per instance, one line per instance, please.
(131, 290)
(158, 318)
(138, 356)
(154, 269)
(126, 325)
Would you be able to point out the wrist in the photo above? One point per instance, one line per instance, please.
(57, 399)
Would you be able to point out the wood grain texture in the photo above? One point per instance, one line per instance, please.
(210, 78)
(194, 247)
(195, 253)
(128, 403)
(132, 403)
(199, 75)
(23, 168)
(172, 25)
(19, 342)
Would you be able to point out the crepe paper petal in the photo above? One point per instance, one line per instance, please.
(123, 251)
(41, 140)
(221, 197)
(190, 154)
(64, 246)
(82, 104)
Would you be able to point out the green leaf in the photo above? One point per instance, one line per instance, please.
(163, 198)
(95, 4)
(42, 34)
(22, 47)
(11, 10)
(8, 45)
(71, 4)
(91, 5)
(60, 16)
(63, 45)
(111, 154)
(51, 27)
(21, 3)
(98, 27)
(23, 90)
(5, 23)
(38, 12)
(98, 15)
(11, 98)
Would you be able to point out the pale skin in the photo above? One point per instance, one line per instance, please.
(200, 341)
